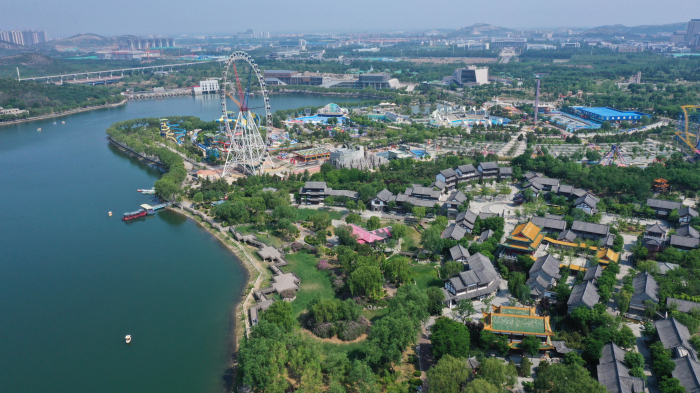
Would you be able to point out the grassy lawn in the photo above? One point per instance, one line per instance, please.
(304, 214)
(411, 241)
(352, 349)
(375, 315)
(313, 282)
(426, 276)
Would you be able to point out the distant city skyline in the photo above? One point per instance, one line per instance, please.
(144, 17)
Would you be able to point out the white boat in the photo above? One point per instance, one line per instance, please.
(147, 192)
(63, 122)
(128, 338)
(55, 123)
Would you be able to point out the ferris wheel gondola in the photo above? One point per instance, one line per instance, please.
(247, 149)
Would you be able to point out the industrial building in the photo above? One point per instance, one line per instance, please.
(570, 44)
(295, 78)
(601, 114)
(148, 43)
(470, 76)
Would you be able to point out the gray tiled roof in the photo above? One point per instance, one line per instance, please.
(683, 305)
(438, 184)
(466, 218)
(593, 273)
(434, 194)
(583, 294)
(560, 347)
(546, 181)
(488, 165)
(687, 371)
(531, 175)
(613, 374)
(467, 169)
(687, 211)
(589, 227)
(688, 231)
(315, 184)
(549, 224)
(505, 170)
(554, 216)
(665, 267)
(674, 336)
(457, 196)
(588, 200)
(458, 251)
(567, 235)
(661, 204)
(448, 173)
(685, 242)
(454, 231)
(610, 240)
(344, 193)
(548, 264)
(485, 235)
(645, 288)
(481, 271)
(384, 195)
(579, 192)
(563, 189)
(655, 228)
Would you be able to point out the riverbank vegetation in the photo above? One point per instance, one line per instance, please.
(46, 98)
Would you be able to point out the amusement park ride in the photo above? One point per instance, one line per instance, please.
(614, 157)
(244, 146)
(171, 131)
(689, 128)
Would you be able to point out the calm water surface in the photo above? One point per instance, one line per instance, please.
(74, 281)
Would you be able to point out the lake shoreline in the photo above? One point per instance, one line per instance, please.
(239, 309)
(66, 113)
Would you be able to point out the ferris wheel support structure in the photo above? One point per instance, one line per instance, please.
(247, 150)
(689, 127)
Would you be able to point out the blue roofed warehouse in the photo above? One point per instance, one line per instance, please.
(601, 114)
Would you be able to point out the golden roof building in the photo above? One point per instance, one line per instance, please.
(518, 322)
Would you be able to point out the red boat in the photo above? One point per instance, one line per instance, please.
(133, 215)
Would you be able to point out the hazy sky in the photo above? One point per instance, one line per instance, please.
(175, 17)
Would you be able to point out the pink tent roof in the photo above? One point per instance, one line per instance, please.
(364, 236)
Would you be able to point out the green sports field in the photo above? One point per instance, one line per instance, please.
(501, 322)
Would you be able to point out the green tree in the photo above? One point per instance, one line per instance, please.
(449, 375)
(320, 221)
(396, 269)
(571, 358)
(436, 299)
(398, 231)
(280, 313)
(671, 385)
(464, 309)
(366, 280)
(198, 197)
(431, 239)
(526, 366)
(373, 223)
(559, 378)
(480, 386)
(449, 338)
(284, 211)
(450, 269)
(361, 379)
(418, 213)
(531, 345)
(497, 373)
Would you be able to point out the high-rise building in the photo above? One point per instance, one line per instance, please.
(693, 31)
(24, 38)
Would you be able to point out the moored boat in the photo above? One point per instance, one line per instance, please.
(128, 338)
(136, 214)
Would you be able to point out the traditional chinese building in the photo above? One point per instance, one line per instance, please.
(518, 322)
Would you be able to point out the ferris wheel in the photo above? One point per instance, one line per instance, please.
(245, 148)
(689, 127)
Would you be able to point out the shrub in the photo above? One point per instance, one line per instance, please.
(350, 330)
(324, 330)
(288, 294)
(323, 265)
(417, 373)
(415, 381)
